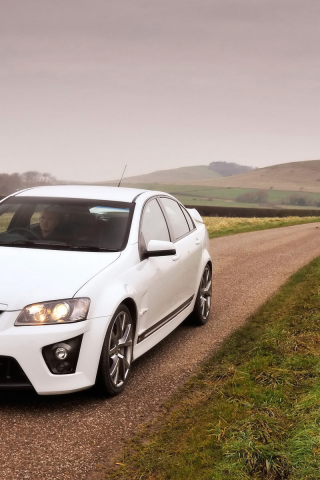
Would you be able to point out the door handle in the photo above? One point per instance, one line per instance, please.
(176, 257)
(198, 241)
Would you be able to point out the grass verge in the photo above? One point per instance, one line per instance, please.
(221, 226)
(253, 410)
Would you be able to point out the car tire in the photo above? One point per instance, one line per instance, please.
(116, 354)
(201, 311)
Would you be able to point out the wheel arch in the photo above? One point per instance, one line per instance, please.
(132, 307)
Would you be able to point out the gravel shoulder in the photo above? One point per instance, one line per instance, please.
(77, 436)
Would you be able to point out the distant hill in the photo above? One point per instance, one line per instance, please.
(189, 175)
(298, 176)
(183, 175)
(295, 176)
(227, 169)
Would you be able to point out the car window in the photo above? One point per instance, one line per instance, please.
(154, 226)
(188, 217)
(177, 219)
(73, 223)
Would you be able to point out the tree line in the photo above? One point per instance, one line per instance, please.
(10, 183)
(227, 169)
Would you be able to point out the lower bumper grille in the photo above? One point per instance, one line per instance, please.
(12, 375)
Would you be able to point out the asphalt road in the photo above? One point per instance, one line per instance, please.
(76, 436)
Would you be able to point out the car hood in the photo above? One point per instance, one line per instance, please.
(36, 275)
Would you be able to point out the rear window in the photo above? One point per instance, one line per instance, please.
(176, 217)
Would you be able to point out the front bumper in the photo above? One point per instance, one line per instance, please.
(24, 344)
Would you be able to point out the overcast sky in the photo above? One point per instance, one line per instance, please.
(87, 86)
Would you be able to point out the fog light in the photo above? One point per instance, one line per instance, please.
(61, 358)
(61, 353)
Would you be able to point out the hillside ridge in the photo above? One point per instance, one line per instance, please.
(176, 175)
(298, 176)
(292, 176)
(189, 174)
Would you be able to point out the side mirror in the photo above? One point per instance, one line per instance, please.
(159, 248)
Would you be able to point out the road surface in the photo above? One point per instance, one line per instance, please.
(76, 436)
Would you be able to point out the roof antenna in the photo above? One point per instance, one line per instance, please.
(122, 175)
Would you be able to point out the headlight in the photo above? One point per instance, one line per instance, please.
(57, 312)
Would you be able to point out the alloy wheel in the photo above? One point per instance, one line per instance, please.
(120, 349)
(205, 292)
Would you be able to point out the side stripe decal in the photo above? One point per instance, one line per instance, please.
(165, 320)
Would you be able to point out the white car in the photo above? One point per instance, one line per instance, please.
(92, 278)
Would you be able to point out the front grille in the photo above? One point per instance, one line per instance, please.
(12, 375)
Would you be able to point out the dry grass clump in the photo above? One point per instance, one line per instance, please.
(218, 223)
(219, 226)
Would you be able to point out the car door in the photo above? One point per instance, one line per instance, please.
(160, 290)
(188, 247)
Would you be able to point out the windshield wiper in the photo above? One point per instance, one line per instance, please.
(32, 242)
(92, 248)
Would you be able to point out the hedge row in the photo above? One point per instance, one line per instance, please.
(243, 212)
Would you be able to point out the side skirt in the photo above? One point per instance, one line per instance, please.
(153, 335)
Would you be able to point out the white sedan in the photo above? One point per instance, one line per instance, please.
(92, 278)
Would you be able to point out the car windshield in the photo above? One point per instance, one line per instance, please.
(57, 223)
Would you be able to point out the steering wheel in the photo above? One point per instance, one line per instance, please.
(30, 234)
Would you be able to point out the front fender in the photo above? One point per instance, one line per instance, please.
(109, 288)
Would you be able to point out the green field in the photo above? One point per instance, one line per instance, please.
(253, 410)
(216, 196)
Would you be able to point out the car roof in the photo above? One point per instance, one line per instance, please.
(117, 194)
